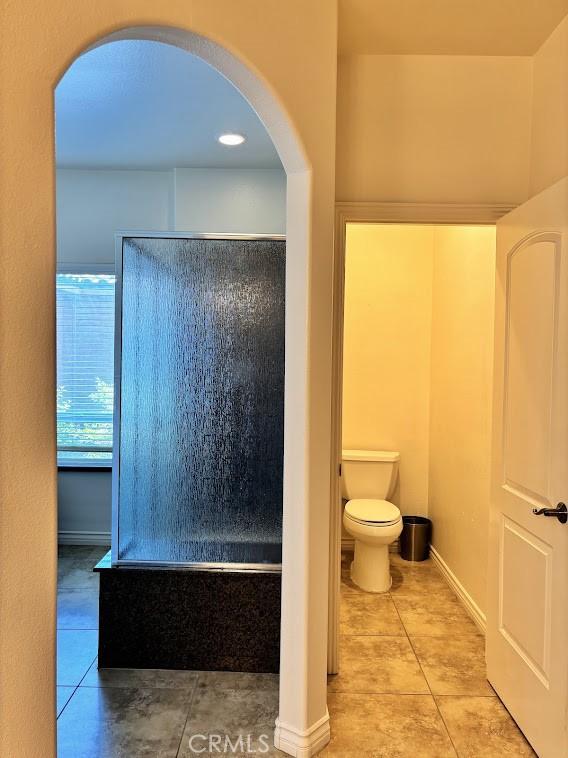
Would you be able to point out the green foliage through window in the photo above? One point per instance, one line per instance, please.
(85, 354)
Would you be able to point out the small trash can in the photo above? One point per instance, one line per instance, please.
(415, 538)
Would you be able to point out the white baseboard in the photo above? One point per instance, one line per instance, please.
(302, 744)
(83, 538)
(469, 603)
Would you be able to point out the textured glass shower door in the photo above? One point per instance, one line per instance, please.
(199, 405)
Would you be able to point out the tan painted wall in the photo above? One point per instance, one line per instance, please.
(386, 360)
(292, 47)
(549, 146)
(460, 411)
(433, 128)
(417, 374)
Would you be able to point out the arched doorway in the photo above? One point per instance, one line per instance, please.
(303, 717)
(287, 734)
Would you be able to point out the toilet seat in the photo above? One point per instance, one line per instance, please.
(371, 512)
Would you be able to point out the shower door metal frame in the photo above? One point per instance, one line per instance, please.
(119, 238)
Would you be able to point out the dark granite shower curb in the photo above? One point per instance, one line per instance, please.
(173, 618)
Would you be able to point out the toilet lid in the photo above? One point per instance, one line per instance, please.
(373, 511)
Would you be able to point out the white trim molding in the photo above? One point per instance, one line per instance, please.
(421, 213)
(65, 267)
(83, 538)
(373, 213)
(302, 744)
(462, 594)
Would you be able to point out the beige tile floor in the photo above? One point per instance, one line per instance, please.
(146, 713)
(412, 680)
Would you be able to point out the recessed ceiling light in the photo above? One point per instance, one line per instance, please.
(232, 139)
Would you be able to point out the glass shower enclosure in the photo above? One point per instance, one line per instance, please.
(199, 401)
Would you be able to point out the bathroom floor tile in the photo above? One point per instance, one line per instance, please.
(76, 651)
(386, 726)
(259, 742)
(235, 680)
(63, 696)
(425, 581)
(65, 563)
(75, 552)
(481, 727)
(365, 613)
(244, 716)
(378, 665)
(443, 654)
(232, 710)
(141, 678)
(397, 560)
(453, 665)
(75, 566)
(433, 615)
(77, 609)
(78, 574)
(347, 586)
(117, 722)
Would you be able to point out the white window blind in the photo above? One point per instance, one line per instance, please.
(85, 357)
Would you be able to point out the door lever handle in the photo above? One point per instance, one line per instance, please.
(560, 512)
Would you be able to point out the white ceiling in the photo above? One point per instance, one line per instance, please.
(141, 104)
(447, 27)
(148, 105)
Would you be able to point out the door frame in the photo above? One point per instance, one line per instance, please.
(453, 214)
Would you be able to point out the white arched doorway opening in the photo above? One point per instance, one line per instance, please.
(302, 727)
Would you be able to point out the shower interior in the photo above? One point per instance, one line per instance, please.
(193, 577)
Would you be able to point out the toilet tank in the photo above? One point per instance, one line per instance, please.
(368, 473)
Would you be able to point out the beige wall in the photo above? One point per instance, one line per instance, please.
(386, 360)
(439, 128)
(460, 401)
(549, 146)
(291, 48)
(418, 353)
(433, 128)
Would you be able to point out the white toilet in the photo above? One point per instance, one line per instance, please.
(368, 477)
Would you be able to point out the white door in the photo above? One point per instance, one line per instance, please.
(527, 624)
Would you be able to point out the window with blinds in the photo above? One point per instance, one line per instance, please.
(85, 356)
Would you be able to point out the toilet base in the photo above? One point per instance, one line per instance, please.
(370, 568)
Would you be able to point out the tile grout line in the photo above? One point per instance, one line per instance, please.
(188, 713)
(426, 680)
(446, 632)
(389, 594)
(71, 696)
(89, 667)
(76, 629)
(446, 726)
(428, 684)
(433, 697)
(381, 693)
(413, 650)
(399, 616)
(60, 588)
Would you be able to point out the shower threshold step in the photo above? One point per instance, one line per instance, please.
(172, 618)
